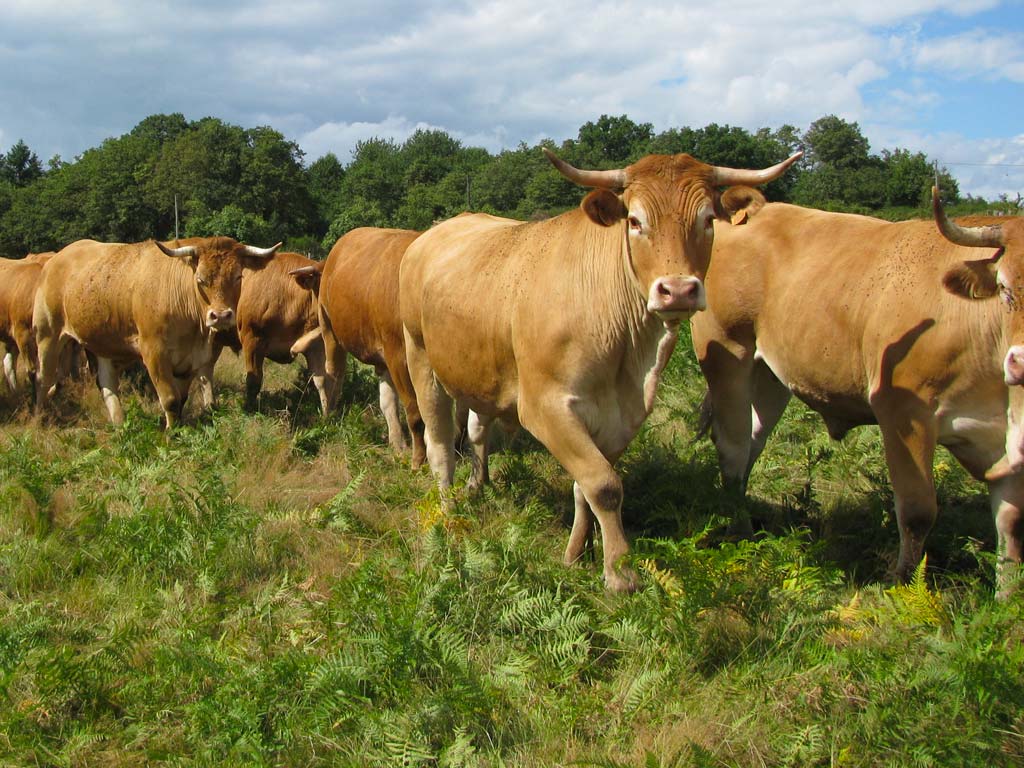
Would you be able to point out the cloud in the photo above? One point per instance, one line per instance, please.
(492, 73)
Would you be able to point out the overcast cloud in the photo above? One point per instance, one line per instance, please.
(942, 76)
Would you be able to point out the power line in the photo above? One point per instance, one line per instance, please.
(986, 165)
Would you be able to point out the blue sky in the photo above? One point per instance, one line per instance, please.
(945, 77)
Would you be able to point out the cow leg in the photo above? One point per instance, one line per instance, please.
(50, 346)
(399, 370)
(253, 356)
(909, 434)
(564, 434)
(478, 429)
(316, 362)
(11, 369)
(108, 380)
(581, 537)
(1007, 499)
(167, 389)
(205, 376)
(770, 398)
(730, 394)
(436, 408)
(389, 406)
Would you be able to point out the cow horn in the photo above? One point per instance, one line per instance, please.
(975, 237)
(184, 252)
(615, 179)
(730, 177)
(261, 253)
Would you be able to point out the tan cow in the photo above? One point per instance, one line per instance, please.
(125, 302)
(849, 314)
(18, 281)
(564, 325)
(274, 314)
(358, 304)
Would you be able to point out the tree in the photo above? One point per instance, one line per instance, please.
(324, 179)
(834, 142)
(612, 142)
(20, 166)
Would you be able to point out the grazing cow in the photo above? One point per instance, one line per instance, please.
(564, 326)
(357, 289)
(849, 314)
(18, 280)
(123, 302)
(274, 313)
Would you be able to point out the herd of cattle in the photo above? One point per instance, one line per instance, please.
(564, 326)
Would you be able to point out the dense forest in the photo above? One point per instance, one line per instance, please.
(254, 184)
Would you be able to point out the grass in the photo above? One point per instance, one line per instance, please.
(274, 589)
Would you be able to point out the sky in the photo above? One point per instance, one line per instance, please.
(944, 77)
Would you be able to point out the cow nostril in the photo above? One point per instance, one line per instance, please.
(664, 289)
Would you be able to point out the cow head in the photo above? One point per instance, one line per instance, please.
(216, 263)
(998, 272)
(667, 205)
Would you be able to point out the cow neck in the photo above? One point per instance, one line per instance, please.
(183, 293)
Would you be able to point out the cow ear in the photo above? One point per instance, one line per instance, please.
(307, 278)
(737, 204)
(603, 207)
(972, 280)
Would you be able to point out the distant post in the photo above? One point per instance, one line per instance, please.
(175, 217)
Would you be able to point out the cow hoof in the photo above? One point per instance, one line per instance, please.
(622, 581)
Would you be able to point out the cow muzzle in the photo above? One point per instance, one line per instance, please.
(220, 319)
(1013, 367)
(676, 294)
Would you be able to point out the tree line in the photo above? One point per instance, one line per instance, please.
(253, 183)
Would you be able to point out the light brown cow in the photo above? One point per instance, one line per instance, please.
(358, 307)
(18, 281)
(564, 325)
(849, 314)
(123, 302)
(274, 313)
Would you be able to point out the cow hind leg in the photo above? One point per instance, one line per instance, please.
(108, 381)
(11, 369)
(316, 362)
(909, 434)
(581, 537)
(436, 409)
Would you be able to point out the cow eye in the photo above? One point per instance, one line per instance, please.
(200, 279)
(635, 225)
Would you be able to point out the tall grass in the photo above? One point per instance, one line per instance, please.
(273, 589)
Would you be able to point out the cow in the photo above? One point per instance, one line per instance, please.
(357, 289)
(128, 301)
(18, 281)
(564, 326)
(274, 313)
(849, 314)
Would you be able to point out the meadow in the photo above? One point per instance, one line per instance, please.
(273, 589)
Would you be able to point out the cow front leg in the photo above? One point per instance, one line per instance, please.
(909, 435)
(168, 389)
(389, 407)
(108, 379)
(554, 423)
(50, 346)
(1006, 496)
(394, 357)
(253, 357)
(204, 377)
(478, 429)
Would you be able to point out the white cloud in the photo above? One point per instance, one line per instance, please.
(975, 53)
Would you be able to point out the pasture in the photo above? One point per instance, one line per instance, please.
(273, 589)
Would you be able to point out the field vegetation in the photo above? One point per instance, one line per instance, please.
(274, 589)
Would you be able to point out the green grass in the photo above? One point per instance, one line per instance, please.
(273, 589)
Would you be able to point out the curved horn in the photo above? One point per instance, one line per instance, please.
(185, 252)
(261, 253)
(976, 237)
(729, 177)
(615, 179)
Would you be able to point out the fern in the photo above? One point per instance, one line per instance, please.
(916, 604)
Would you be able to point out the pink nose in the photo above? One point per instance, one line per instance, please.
(675, 293)
(220, 318)
(1013, 366)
